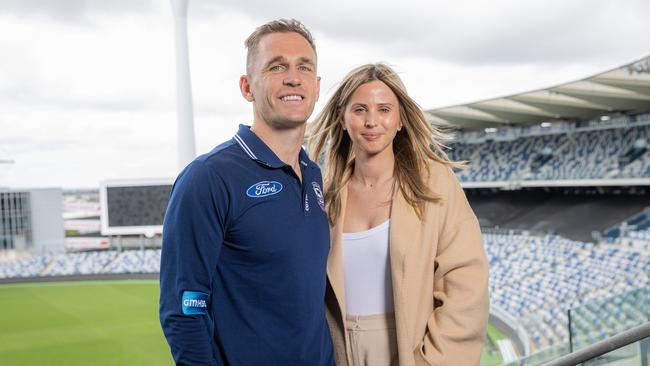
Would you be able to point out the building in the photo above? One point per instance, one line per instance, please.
(32, 220)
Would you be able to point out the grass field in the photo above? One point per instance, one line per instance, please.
(81, 323)
(491, 355)
(97, 323)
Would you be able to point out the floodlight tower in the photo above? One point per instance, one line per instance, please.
(186, 149)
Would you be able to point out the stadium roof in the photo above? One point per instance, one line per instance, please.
(625, 89)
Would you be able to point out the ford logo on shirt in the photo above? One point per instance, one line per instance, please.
(264, 188)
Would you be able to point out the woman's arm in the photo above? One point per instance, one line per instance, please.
(456, 328)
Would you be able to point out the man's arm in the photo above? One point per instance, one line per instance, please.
(192, 237)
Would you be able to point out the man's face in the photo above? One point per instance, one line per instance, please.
(282, 83)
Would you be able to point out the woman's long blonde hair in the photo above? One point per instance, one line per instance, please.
(413, 145)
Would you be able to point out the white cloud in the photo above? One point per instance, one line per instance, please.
(87, 88)
(76, 11)
(467, 31)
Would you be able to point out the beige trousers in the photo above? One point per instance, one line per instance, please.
(372, 339)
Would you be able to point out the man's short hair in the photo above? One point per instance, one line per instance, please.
(274, 26)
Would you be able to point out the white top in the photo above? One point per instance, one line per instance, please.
(366, 262)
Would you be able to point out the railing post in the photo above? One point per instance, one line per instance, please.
(644, 348)
(570, 333)
(639, 334)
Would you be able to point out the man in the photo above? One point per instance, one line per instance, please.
(245, 237)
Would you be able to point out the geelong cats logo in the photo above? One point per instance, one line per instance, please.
(319, 195)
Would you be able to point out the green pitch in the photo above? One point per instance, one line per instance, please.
(491, 355)
(97, 323)
(81, 323)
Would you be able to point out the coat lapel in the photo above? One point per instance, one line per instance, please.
(404, 235)
(405, 230)
(335, 258)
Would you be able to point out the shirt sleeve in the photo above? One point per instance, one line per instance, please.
(193, 233)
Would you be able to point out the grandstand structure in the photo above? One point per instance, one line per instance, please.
(564, 154)
(625, 89)
(559, 180)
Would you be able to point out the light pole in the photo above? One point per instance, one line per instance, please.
(186, 149)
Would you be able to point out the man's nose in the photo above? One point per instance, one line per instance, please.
(292, 78)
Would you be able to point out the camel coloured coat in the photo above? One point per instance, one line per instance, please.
(439, 275)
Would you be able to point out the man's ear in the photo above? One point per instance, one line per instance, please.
(245, 88)
(317, 87)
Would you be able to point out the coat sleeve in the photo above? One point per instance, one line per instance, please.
(456, 329)
(193, 233)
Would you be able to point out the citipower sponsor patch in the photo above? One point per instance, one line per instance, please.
(194, 303)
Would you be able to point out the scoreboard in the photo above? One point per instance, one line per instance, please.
(132, 207)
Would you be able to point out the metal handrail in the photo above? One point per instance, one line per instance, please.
(600, 348)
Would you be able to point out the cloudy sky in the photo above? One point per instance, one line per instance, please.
(87, 87)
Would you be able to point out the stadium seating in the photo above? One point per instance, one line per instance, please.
(537, 279)
(83, 263)
(632, 233)
(581, 153)
(601, 318)
(24, 267)
(135, 261)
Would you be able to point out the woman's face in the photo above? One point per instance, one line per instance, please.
(371, 118)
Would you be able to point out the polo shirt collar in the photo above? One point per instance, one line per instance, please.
(257, 150)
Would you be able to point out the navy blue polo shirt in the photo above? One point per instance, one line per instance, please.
(243, 267)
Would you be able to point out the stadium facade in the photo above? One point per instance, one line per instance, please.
(32, 219)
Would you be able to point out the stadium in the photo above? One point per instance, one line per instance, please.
(559, 179)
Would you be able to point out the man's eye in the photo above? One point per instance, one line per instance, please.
(276, 68)
(304, 68)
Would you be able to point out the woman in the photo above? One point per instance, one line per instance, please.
(407, 271)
